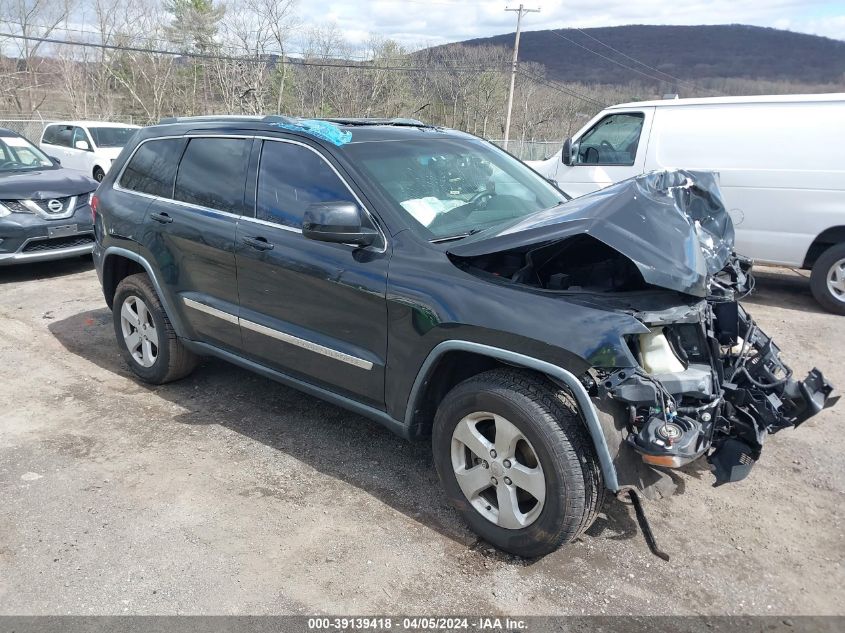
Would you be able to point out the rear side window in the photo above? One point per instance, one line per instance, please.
(290, 178)
(50, 134)
(212, 173)
(58, 135)
(152, 167)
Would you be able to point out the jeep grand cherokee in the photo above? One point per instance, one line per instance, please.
(550, 349)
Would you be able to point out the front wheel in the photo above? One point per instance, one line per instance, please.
(515, 459)
(145, 335)
(99, 174)
(827, 280)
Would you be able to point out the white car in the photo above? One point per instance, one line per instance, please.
(781, 161)
(86, 146)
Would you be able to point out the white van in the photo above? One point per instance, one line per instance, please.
(86, 146)
(781, 161)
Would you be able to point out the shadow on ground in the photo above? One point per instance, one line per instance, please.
(783, 288)
(332, 440)
(45, 270)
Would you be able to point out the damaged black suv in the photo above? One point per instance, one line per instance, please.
(550, 349)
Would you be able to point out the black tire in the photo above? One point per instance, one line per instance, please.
(99, 174)
(173, 360)
(548, 418)
(818, 279)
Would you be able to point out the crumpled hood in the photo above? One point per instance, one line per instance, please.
(42, 184)
(672, 224)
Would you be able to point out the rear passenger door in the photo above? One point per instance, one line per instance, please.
(190, 235)
(313, 310)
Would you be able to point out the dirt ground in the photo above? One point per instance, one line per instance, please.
(226, 493)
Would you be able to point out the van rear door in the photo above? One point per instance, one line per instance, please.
(611, 148)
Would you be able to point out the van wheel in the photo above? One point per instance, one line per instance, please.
(145, 335)
(99, 174)
(827, 280)
(517, 462)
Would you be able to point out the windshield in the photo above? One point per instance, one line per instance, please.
(17, 153)
(111, 136)
(450, 187)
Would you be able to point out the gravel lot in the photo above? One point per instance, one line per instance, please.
(226, 493)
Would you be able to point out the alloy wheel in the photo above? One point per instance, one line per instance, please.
(139, 331)
(836, 280)
(498, 470)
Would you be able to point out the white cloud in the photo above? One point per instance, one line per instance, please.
(424, 22)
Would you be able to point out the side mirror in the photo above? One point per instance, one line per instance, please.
(566, 153)
(55, 160)
(82, 145)
(337, 222)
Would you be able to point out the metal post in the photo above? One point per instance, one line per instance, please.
(519, 13)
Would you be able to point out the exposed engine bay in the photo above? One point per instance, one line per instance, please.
(705, 380)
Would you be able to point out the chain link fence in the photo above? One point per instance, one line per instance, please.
(530, 150)
(32, 128)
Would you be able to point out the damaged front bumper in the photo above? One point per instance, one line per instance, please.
(710, 384)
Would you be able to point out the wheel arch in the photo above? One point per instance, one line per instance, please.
(451, 362)
(119, 263)
(827, 238)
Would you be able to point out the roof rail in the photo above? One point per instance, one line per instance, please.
(269, 118)
(397, 121)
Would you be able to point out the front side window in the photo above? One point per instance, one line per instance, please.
(611, 141)
(17, 154)
(212, 173)
(291, 177)
(152, 167)
(453, 186)
(111, 136)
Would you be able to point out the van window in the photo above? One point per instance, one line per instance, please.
(50, 134)
(290, 178)
(611, 141)
(79, 135)
(153, 167)
(212, 173)
(59, 135)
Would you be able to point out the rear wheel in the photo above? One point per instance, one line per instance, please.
(827, 280)
(99, 174)
(145, 335)
(516, 460)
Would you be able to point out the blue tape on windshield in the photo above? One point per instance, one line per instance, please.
(321, 129)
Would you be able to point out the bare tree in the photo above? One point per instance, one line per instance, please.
(31, 18)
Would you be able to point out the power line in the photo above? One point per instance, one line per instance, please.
(249, 60)
(610, 59)
(561, 88)
(158, 40)
(358, 66)
(633, 59)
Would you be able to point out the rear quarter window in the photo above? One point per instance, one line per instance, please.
(152, 168)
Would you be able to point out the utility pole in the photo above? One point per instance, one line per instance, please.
(519, 12)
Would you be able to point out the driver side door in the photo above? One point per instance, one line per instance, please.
(610, 150)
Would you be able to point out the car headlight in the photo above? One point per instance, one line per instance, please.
(4, 211)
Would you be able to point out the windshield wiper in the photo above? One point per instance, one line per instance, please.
(457, 236)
